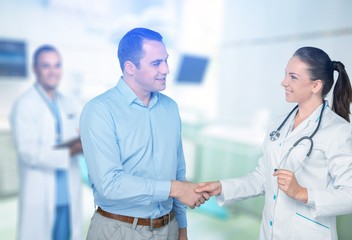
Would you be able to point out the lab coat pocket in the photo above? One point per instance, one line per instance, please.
(308, 227)
(70, 129)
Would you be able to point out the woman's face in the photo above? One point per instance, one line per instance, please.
(297, 84)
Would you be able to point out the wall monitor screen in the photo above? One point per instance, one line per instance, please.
(13, 59)
(192, 69)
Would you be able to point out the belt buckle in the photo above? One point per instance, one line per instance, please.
(165, 219)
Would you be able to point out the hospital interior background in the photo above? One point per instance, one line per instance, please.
(227, 59)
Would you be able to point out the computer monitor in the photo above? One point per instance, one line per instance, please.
(192, 69)
(13, 59)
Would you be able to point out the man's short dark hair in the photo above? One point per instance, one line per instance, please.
(131, 45)
(42, 49)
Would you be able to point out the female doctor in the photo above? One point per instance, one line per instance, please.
(306, 168)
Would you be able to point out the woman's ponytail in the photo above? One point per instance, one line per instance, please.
(320, 67)
(342, 95)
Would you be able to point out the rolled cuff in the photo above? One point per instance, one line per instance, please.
(162, 190)
(181, 220)
(311, 198)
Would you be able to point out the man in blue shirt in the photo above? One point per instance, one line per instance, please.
(131, 138)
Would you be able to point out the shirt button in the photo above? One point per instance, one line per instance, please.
(274, 197)
(271, 223)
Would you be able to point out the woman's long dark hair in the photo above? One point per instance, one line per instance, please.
(321, 67)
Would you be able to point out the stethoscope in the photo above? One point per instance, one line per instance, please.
(274, 135)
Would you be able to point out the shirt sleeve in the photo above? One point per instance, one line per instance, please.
(180, 208)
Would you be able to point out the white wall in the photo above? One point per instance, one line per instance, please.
(248, 42)
(260, 37)
(199, 33)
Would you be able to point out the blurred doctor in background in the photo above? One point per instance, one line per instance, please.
(50, 183)
(306, 169)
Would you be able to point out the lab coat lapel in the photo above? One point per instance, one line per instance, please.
(303, 127)
(307, 127)
(298, 153)
(277, 149)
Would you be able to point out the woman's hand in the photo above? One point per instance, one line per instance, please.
(210, 188)
(287, 183)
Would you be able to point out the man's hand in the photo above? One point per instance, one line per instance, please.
(210, 188)
(182, 234)
(76, 148)
(185, 193)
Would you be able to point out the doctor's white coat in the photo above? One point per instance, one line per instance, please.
(327, 174)
(33, 127)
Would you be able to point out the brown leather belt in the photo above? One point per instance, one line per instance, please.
(153, 223)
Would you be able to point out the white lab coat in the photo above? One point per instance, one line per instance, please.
(327, 175)
(33, 127)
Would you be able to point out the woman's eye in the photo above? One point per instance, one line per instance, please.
(293, 77)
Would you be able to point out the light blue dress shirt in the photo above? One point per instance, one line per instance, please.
(133, 152)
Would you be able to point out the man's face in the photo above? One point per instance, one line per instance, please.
(153, 69)
(48, 70)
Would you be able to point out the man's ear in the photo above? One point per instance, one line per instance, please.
(317, 86)
(129, 67)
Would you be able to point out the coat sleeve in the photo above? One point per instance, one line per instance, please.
(248, 186)
(337, 198)
(33, 141)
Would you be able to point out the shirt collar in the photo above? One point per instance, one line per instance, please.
(131, 97)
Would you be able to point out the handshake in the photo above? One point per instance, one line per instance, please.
(194, 194)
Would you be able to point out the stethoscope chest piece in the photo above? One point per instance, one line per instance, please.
(274, 135)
